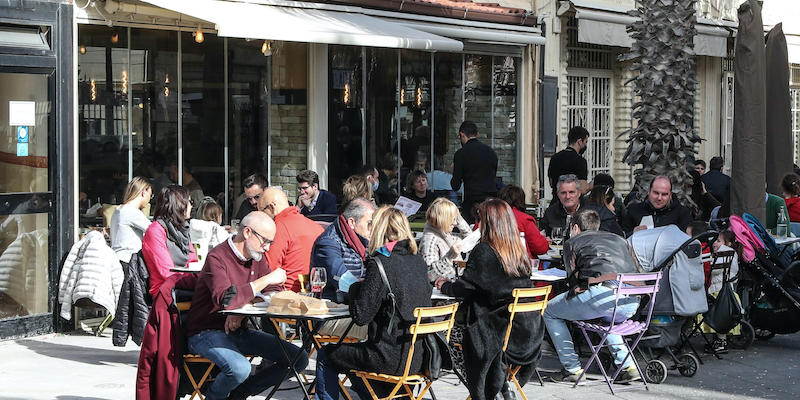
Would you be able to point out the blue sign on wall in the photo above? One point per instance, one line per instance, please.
(22, 134)
(22, 149)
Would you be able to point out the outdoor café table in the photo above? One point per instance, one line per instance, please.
(317, 321)
(192, 268)
(785, 243)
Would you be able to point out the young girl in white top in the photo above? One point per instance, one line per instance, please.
(205, 229)
(726, 241)
(128, 222)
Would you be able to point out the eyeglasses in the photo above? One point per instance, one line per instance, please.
(260, 237)
(304, 187)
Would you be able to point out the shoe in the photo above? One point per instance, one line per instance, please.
(506, 393)
(628, 375)
(565, 376)
(719, 346)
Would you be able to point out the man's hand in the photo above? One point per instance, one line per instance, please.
(640, 228)
(304, 201)
(441, 281)
(232, 323)
(276, 277)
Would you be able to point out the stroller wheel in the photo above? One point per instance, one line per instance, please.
(688, 364)
(744, 339)
(655, 371)
(763, 334)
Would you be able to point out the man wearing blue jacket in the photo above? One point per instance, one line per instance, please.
(342, 247)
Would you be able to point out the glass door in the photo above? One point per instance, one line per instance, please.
(26, 195)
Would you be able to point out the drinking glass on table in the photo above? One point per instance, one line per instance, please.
(557, 235)
(319, 277)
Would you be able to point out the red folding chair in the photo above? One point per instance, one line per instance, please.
(631, 285)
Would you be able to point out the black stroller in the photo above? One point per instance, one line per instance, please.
(681, 296)
(770, 283)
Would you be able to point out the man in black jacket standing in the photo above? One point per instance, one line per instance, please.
(570, 160)
(475, 164)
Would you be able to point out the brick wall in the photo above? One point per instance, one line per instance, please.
(288, 130)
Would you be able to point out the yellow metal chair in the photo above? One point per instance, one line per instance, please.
(407, 381)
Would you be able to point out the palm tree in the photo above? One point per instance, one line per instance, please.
(662, 142)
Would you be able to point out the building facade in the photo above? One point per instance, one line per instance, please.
(211, 91)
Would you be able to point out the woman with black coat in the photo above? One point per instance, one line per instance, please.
(386, 348)
(496, 266)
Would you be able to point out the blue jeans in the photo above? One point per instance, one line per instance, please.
(227, 352)
(597, 302)
(328, 380)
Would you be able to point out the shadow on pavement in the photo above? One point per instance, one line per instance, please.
(92, 356)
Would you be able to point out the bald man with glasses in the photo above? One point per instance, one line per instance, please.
(234, 274)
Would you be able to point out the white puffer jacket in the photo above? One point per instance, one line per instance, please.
(92, 270)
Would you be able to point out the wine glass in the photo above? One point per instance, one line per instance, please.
(319, 277)
(557, 235)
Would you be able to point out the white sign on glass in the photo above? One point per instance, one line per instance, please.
(22, 113)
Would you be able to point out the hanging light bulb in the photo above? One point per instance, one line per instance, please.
(93, 90)
(82, 49)
(166, 78)
(198, 35)
(419, 96)
(166, 88)
(266, 48)
(124, 82)
(115, 38)
(346, 94)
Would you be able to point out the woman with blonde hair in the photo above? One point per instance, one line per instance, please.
(496, 266)
(391, 247)
(354, 187)
(440, 246)
(128, 222)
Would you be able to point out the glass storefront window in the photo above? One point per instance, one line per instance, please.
(104, 83)
(203, 116)
(504, 116)
(478, 94)
(345, 110)
(414, 113)
(24, 186)
(448, 115)
(381, 110)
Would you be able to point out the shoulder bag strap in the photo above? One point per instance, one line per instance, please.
(391, 294)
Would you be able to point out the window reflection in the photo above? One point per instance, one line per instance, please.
(505, 116)
(203, 117)
(345, 107)
(104, 80)
(448, 115)
(381, 108)
(415, 113)
(154, 128)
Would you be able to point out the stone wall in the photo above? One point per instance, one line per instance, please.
(288, 134)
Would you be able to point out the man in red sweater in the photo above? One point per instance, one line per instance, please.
(234, 273)
(294, 237)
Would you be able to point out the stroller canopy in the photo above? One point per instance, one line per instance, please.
(682, 290)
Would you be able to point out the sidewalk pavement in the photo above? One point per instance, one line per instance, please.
(82, 367)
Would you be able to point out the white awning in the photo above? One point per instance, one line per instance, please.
(260, 21)
(609, 28)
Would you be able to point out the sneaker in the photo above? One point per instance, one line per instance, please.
(628, 375)
(565, 376)
(719, 346)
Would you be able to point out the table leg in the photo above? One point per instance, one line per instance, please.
(292, 362)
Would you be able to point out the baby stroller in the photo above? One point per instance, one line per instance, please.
(681, 295)
(770, 284)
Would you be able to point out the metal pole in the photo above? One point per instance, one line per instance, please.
(180, 113)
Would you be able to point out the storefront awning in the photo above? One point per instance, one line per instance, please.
(259, 21)
(607, 27)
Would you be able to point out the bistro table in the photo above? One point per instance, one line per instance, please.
(302, 324)
(192, 268)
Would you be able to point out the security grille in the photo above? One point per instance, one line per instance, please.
(589, 105)
(585, 55)
(727, 119)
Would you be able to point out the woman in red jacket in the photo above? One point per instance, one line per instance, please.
(534, 241)
(167, 243)
(791, 195)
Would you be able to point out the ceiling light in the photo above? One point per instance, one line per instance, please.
(266, 48)
(82, 49)
(115, 38)
(198, 35)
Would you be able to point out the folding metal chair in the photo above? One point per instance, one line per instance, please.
(541, 293)
(631, 285)
(407, 381)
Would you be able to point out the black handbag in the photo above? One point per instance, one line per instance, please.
(726, 312)
(436, 353)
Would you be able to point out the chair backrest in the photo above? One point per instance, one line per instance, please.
(540, 293)
(424, 328)
(723, 260)
(637, 285)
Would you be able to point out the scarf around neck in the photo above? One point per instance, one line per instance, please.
(178, 242)
(352, 238)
